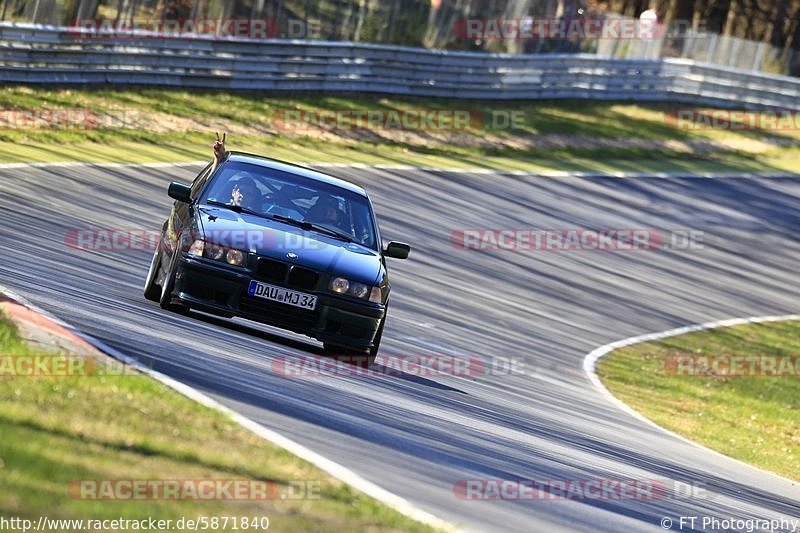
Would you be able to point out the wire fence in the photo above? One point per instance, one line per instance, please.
(703, 46)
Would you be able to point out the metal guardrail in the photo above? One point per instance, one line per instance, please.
(34, 54)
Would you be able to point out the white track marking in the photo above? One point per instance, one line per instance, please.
(455, 170)
(591, 359)
(334, 469)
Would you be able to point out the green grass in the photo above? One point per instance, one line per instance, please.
(58, 429)
(168, 125)
(755, 419)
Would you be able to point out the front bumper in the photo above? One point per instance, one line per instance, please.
(220, 289)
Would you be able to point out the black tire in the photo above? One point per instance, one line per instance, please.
(165, 299)
(365, 358)
(376, 343)
(355, 357)
(152, 290)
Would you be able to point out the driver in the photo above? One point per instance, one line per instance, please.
(326, 211)
(245, 193)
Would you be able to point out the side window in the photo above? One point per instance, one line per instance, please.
(200, 180)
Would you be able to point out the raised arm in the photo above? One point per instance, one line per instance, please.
(219, 149)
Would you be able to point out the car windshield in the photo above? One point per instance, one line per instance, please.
(274, 192)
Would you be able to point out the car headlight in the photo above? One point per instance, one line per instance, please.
(339, 285)
(362, 291)
(200, 248)
(214, 251)
(234, 257)
(359, 290)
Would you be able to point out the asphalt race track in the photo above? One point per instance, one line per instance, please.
(418, 436)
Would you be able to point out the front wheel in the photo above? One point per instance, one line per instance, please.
(363, 359)
(376, 343)
(168, 285)
(356, 358)
(152, 291)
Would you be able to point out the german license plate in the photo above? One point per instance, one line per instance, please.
(284, 296)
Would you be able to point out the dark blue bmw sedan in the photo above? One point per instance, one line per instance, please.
(280, 244)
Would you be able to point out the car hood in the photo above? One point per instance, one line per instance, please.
(275, 239)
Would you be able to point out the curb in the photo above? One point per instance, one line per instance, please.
(332, 468)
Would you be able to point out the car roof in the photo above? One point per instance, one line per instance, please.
(285, 166)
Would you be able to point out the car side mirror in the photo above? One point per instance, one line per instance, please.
(180, 192)
(397, 250)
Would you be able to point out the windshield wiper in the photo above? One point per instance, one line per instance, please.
(333, 232)
(312, 226)
(286, 220)
(238, 208)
